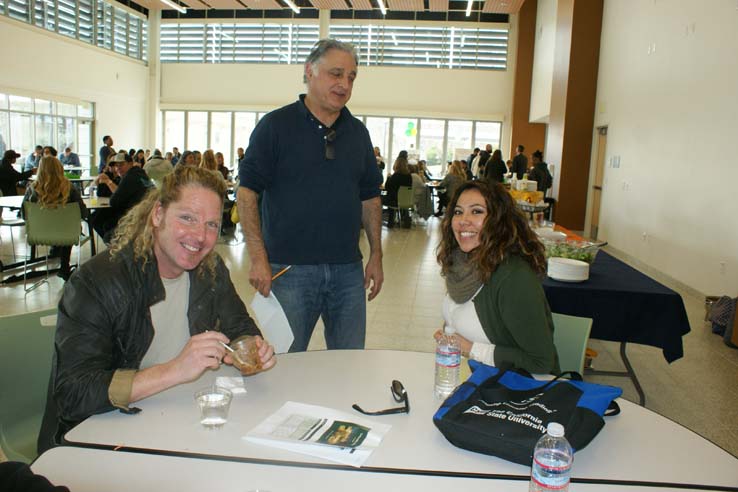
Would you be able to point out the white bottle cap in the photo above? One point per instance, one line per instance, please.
(449, 330)
(555, 429)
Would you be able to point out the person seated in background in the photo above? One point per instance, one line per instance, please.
(52, 189)
(451, 182)
(9, 177)
(421, 193)
(423, 171)
(50, 151)
(492, 263)
(220, 161)
(400, 177)
(508, 165)
(108, 170)
(540, 173)
(188, 159)
(69, 158)
(140, 158)
(133, 185)
(467, 170)
(175, 156)
(168, 157)
(157, 167)
(495, 169)
(207, 161)
(151, 312)
(197, 157)
(33, 159)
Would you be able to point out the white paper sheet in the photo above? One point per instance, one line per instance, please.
(273, 322)
(288, 429)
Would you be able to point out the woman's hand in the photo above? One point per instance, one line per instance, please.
(464, 344)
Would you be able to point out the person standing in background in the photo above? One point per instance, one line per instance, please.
(105, 152)
(520, 162)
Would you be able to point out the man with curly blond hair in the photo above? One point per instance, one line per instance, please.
(152, 312)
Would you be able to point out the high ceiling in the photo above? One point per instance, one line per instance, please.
(486, 6)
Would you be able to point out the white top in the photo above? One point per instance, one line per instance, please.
(463, 317)
(171, 326)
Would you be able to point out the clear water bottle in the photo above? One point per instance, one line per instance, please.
(552, 460)
(448, 363)
(93, 195)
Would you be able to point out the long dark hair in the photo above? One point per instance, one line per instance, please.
(505, 233)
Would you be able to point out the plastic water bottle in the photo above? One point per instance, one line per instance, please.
(93, 195)
(448, 363)
(552, 460)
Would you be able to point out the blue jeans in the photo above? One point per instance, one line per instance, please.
(334, 292)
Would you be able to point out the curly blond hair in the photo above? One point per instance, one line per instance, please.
(51, 186)
(136, 228)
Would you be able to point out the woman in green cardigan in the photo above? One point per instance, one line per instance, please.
(492, 263)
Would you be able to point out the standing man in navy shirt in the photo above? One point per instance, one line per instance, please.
(313, 204)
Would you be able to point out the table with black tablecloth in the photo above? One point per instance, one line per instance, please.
(626, 306)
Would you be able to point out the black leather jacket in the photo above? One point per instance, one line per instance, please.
(104, 329)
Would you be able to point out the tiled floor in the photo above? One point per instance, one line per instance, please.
(700, 391)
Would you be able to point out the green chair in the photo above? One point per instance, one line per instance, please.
(26, 349)
(405, 201)
(58, 226)
(570, 338)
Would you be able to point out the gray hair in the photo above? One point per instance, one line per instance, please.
(323, 46)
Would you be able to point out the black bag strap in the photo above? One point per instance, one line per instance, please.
(612, 409)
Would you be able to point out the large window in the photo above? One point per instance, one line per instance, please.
(389, 45)
(220, 134)
(97, 22)
(458, 141)
(174, 125)
(26, 122)
(237, 43)
(426, 46)
(434, 140)
(487, 133)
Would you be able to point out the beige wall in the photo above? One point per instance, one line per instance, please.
(667, 93)
(540, 97)
(44, 64)
(468, 94)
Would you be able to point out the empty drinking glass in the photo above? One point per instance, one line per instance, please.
(214, 403)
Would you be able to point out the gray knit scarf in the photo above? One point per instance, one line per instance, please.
(462, 279)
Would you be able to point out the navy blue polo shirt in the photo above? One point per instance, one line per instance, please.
(311, 206)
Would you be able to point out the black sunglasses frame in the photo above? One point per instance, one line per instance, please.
(398, 393)
(330, 148)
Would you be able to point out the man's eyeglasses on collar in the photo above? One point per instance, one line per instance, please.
(330, 148)
(398, 393)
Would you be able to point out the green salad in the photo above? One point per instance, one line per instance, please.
(575, 250)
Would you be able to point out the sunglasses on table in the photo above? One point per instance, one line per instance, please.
(330, 148)
(398, 393)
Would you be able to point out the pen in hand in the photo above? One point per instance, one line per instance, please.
(281, 272)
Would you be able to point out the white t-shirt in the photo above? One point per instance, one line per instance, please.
(171, 326)
(463, 318)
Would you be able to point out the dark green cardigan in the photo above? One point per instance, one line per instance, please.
(514, 314)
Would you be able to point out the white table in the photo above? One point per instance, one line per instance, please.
(93, 470)
(16, 202)
(635, 446)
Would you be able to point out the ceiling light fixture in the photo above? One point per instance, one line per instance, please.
(468, 7)
(382, 8)
(175, 6)
(292, 5)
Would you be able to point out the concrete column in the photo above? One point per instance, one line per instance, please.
(324, 17)
(530, 135)
(573, 97)
(153, 131)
